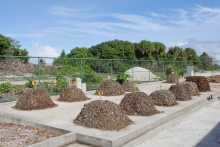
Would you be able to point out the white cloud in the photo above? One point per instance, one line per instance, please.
(39, 50)
(157, 15)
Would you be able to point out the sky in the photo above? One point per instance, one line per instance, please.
(46, 27)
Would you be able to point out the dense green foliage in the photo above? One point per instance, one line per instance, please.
(122, 78)
(5, 87)
(11, 47)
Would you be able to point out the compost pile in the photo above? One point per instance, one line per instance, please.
(130, 86)
(201, 82)
(72, 94)
(103, 115)
(110, 89)
(34, 100)
(191, 87)
(214, 79)
(180, 92)
(172, 78)
(138, 103)
(163, 98)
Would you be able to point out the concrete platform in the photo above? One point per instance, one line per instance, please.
(63, 115)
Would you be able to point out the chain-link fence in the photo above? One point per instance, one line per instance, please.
(54, 73)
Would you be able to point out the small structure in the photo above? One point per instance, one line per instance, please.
(190, 71)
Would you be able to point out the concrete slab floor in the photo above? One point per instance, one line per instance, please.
(201, 129)
(63, 115)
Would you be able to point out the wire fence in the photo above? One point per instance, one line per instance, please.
(48, 70)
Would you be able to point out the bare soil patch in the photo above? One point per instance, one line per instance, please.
(12, 135)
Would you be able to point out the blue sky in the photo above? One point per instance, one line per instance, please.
(45, 27)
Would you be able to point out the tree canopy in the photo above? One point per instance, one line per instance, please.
(11, 47)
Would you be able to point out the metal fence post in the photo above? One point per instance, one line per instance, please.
(111, 68)
(163, 71)
(132, 62)
(39, 72)
(81, 70)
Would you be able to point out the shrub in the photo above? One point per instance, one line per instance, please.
(5, 87)
(122, 78)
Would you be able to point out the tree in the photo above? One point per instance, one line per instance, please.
(11, 47)
(144, 50)
(206, 61)
(176, 54)
(115, 49)
(159, 52)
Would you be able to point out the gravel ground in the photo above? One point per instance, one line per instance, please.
(12, 135)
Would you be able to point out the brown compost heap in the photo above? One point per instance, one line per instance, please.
(130, 86)
(72, 94)
(163, 98)
(103, 115)
(34, 99)
(172, 78)
(110, 89)
(138, 103)
(191, 87)
(201, 82)
(180, 92)
(214, 79)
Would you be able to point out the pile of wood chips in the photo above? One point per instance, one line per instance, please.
(34, 99)
(214, 79)
(110, 89)
(172, 78)
(163, 98)
(130, 86)
(103, 115)
(138, 103)
(180, 92)
(201, 82)
(72, 94)
(191, 87)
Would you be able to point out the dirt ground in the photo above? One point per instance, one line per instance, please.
(12, 135)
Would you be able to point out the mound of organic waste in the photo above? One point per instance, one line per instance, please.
(201, 82)
(191, 87)
(72, 94)
(34, 100)
(163, 98)
(172, 78)
(138, 103)
(130, 86)
(180, 92)
(110, 89)
(104, 115)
